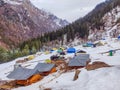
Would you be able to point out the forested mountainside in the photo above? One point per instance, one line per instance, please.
(93, 26)
(101, 21)
(96, 23)
(21, 21)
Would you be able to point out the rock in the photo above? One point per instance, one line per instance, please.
(1, 3)
(76, 75)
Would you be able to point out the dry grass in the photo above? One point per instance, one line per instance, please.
(96, 65)
(47, 89)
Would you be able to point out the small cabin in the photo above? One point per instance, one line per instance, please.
(45, 68)
(79, 61)
(24, 76)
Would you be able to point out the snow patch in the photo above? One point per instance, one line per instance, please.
(100, 79)
(13, 2)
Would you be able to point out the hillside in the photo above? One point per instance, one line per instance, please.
(21, 21)
(105, 78)
(102, 21)
(105, 17)
(95, 35)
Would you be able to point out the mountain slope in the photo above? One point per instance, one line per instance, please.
(103, 19)
(111, 25)
(21, 21)
(95, 24)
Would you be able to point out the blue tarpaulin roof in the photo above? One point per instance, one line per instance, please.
(71, 50)
(118, 37)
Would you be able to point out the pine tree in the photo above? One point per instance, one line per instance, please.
(25, 51)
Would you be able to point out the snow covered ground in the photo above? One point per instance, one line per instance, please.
(100, 79)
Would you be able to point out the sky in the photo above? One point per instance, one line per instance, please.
(67, 9)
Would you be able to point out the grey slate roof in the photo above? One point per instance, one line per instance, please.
(79, 60)
(21, 73)
(44, 67)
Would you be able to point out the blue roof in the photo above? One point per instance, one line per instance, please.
(118, 37)
(52, 51)
(103, 38)
(89, 43)
(71, 50)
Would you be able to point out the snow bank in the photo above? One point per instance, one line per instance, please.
(100, 79)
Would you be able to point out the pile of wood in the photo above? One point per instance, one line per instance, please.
(47, 89)
(96, 65)
(60, 64)
(22, 61)
(54, 57)
(5, 85)
(2, 82)
(4, 89)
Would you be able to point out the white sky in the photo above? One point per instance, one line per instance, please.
(67, 9)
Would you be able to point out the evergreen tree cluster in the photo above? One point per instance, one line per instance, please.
(94, 18)
(7, 55)
(79, 29)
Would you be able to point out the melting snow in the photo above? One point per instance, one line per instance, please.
(99, 79)
(13, 2)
